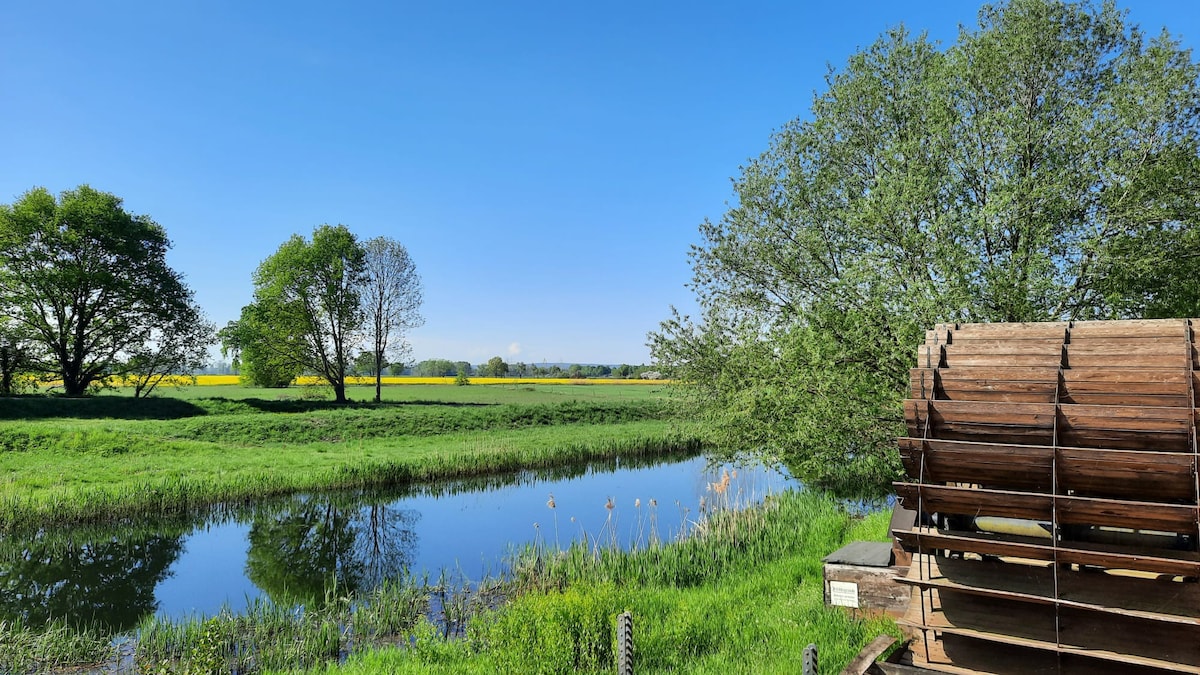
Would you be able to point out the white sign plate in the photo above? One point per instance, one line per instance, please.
(843, 594)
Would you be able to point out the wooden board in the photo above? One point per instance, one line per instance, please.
(1066, 510)
(1175, 647)
(1153, 599)
(1175, 563)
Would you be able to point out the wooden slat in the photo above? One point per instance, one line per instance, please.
(960, 359)
(1127, 473)
(975, 502)
(1160, 562)
(951, 653)
(1119, 638)
(1002, 373)
(1024, 423)
(1080, 359)
(1088, 472)
(1051, 329)
(1125, 427)
(1008, 466)
(1151, 599)
(1007, 346)
(1145, 328)
(922, 383)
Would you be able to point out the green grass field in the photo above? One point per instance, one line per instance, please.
(65, 460)
(744, 597)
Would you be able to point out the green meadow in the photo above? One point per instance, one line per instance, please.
(743, 595)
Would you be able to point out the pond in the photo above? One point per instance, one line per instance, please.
(294, 549)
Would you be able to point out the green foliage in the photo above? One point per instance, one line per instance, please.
(461, 378)
(86, 287)
(495, 367)
(435, 368)
(1043, 167)
(307, 311)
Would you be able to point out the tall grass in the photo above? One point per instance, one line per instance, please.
(743, 595)
(23, 649)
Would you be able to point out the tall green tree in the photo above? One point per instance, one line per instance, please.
(260, 355)
(307, 310)
(88, 285)
(1040, 168)
(391, 298)
(495, 367)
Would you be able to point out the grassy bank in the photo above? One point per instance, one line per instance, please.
(743, 596)
(64, 460)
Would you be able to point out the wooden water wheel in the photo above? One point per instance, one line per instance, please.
(1053, 467)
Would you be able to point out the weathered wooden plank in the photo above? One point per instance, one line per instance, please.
(1125, 513)
(951, 653)
(1048, 329)
(862, 662)
(929, 356)
(1023, 423)
(1160, 562)
(1123, 639)
(974, 502)
(1152, 599)
(1002, 373)
(1008, 466)
(1130, 328)
(1125, 427)
(1007, 346)
(1090, 472)
(923, 383)
(1069, 510)
(965, 359)
(1127, 473)
(1078, 359)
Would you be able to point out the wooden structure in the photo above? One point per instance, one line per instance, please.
(861, 577)
(1054, 471)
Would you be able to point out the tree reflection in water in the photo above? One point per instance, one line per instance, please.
(315, 547)
(85, 579)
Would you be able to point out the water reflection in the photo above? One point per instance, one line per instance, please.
(297, 549)
(105, 579)
(312, 544)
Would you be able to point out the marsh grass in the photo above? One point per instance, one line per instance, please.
(24, 649)
(743, 594)
(267, 636)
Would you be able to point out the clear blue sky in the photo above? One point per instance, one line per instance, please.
(546, 164)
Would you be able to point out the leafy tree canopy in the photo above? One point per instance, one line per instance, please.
(86, 290)
(307, 312)
(1045, 166)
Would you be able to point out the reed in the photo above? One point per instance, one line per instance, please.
(23, 649)
(744, 594)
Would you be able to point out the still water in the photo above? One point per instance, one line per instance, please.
(292, 549)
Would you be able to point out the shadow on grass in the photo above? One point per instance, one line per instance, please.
(96, 407)
(34, 407)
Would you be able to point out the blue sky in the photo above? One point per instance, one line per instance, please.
(546, 164)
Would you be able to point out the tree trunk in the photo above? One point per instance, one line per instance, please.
(339, 391)
(378, 382)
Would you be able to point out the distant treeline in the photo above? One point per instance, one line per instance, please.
(495, 367)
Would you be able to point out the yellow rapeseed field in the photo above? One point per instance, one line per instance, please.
(212, 380)
(308, 379)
